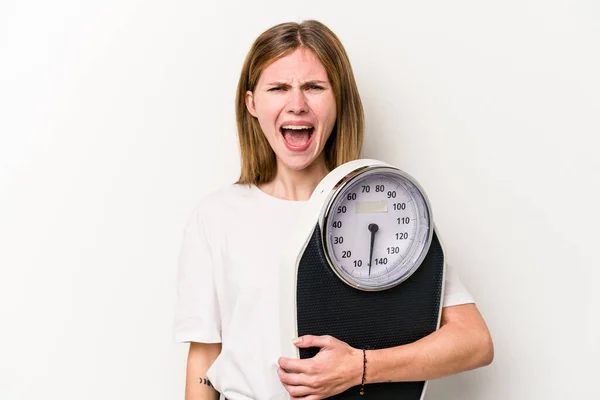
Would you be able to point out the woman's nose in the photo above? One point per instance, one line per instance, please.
(297, 102)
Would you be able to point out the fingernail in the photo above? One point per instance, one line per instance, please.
(297, 340)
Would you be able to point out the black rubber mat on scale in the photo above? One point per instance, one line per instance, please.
(371, 320)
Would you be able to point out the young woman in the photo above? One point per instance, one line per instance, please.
(299, 115)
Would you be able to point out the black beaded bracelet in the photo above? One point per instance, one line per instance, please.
(362, 385)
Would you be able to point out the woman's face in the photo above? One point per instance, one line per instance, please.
(295, 107)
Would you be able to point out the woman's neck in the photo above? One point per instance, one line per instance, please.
(290, 184)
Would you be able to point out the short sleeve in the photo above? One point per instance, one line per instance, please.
(197, 316)
(454, 291)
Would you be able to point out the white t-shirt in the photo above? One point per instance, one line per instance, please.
(227, 287)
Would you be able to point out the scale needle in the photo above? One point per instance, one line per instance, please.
(373, 228)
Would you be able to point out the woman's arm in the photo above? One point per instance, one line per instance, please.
(200, 358)
(463, 342)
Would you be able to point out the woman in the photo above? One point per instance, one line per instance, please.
(299, 116)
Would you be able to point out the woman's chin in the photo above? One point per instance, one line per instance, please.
(297, 162)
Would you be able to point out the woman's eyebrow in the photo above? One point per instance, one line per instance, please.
(314, 82)
(278, 84)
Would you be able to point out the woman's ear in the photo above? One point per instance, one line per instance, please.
(250, 103)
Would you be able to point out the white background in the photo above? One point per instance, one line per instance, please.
(117, 116)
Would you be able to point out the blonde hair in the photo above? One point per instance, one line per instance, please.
(258, 163)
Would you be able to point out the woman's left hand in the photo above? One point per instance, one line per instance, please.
(334, 369)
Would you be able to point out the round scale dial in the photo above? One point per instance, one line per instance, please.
(377, 228)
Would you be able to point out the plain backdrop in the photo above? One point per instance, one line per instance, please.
(117, 116)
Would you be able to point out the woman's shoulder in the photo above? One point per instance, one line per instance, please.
(224, 200)
(227, 193)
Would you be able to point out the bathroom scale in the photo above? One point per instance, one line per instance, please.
(364, 265)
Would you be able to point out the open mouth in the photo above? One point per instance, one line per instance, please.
(297, 136)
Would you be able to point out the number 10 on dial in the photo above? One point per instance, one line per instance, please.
(377, 228)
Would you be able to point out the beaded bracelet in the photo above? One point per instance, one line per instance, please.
(362, 385)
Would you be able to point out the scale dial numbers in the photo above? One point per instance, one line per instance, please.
(376, 229)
